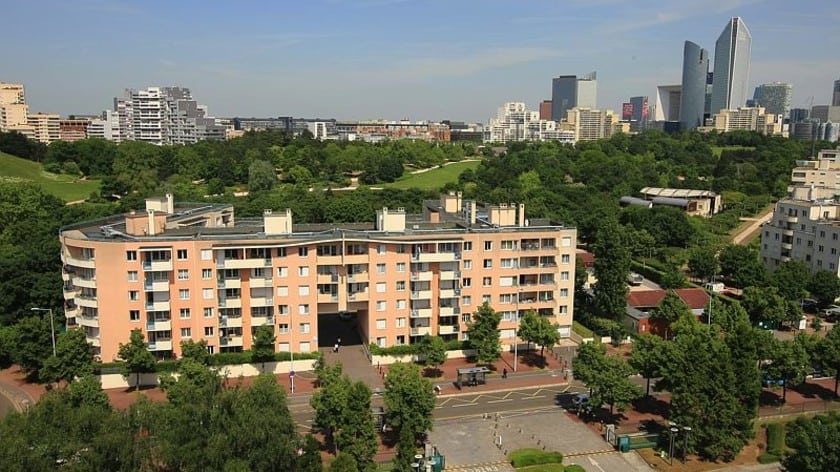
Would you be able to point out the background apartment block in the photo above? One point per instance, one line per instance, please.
(195, 272)
(748, 119)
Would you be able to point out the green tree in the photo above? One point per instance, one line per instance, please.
(814, 444)
(538, 330)
(648, 355)
(702, 262)
(263, 348)
(764, 305)
(433, 350)
(330, 400)
(829, 354)
(409, 399)
(670, 309)
(613, 385)
(357, 435)
(791, 279)
(136, 357)
(74, 358)
(824, 286)
(87, 390)
(483, 332)
(196, 351)
(215, 186)
(261, 176)
(32, 344)
(742, 266)
(7, 345)
(344, 462)
(588, 362)
(406, 449)
(612, 264)
(788, 362)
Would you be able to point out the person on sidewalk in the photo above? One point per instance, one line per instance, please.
(504, 373)
(335, 348)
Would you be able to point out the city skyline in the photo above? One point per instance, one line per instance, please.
(395, 59)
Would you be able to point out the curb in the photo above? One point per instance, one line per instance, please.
(502, 390)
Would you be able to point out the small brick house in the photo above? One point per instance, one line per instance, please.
(641, 302)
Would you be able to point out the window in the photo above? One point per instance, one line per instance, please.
(186, 332)
(508, 263)
(134, 315)
(566, 242)
(182, 254)
(400, 266)
(485, 299)
(400, 322)
(133, 295)
(257, 273)
(488, 245)
(465, 317)
(131, 255)
(185, 313)
(303, 251)
(468, 245)
(564, 292)
(381, 287)
(303, 271)
(381, 324)
(283, 328)
(381, 341)
(183, 274)
(380, 268)
(381, 305)
(282, 272)
(467, 265)
(466, 282)
(208, 312)
(206, 274)
(206, 254)
(282, 309)
(207, 293)
(506, 298)
(380, 249)
(303, 290)
(565, 259)
(184, 294)
(507, 245)
(132, 276)
(564, 275)
(487, 281)
(211, 349)
(466, 300)
(488, 263)
(303, 309)
(564, 309)
(304, 328)
(282, 291)
(208, 331)
(400, 304)
(400, 285)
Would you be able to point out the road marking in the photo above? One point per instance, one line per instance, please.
(501, 401)
(534, 397)
(464, 404)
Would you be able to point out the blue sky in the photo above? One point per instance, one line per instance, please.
(393, 59)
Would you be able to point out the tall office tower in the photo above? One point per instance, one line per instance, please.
(563, 96)
(569, 91)
(693, 96)
(732, 67)
(639, 113)
(667, 103)
(545, 110)
(835, 97)
(775, 98)
(799, 114)
(13, 109)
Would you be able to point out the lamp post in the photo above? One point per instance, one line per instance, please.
(687, 430)
(516, 332)
(674, 430)
(52, 324)
(291, 360)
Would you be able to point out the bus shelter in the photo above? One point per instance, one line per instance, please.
(471, 376)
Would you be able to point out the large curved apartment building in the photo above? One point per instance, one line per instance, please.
(195, 272)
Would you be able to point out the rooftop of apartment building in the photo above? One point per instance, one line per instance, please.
(163, 220)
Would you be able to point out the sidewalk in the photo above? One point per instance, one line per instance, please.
(15, 388)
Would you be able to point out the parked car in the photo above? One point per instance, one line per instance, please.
(769, 382)
(831, 313)
(580, 401)
(809, 305)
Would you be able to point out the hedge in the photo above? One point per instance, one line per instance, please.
(407, 349)
(767, 458)
(574, 468)
(525, 457)
(222, 358)
(582, 330)
(776, 439)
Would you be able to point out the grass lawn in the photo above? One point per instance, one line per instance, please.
(66, 187)
(433, 179)
(716, 150)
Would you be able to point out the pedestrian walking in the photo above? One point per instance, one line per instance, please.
(335, 348)
(504, 373)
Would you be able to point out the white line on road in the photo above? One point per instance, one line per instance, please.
(500, 401)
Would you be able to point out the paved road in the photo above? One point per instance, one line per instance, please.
(5, 406)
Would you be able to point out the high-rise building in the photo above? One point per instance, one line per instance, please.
(835, 96)
(732, 67)
(693, 93)
(590, 124)
(775, 98)
(799, 114)
(545, 110)
(513, 122)
(569, 91)
(13, 109)
(196, 272)
(639, 113)
(46, 127)
(825, 113)
(668, 103)
(105, 127)
(748, 119)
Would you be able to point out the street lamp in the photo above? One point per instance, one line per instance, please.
(674, 430)
(52, 324)
(687, 430)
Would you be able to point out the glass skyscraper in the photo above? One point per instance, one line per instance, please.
(732, 66)
(693, 97)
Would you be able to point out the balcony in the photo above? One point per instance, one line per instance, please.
(421, 331)
(94, 341)
(72, 312)
(157, 266)
(450, 310)
(791, 219)
(89, 321)
(787, 246)
(70, 291)
(450, 275)
(450, 293)
(436, 257)
(246, 263)
(230, 303)
(448, 329)
(331, 260)
(358, 277)
(76, 262)
(421, 295)
(261, 282)
(421, 313)
(87, 301)
(355, 258)
(231, 341)
(421, 276)
(157, 306)
(262, 320)
(358, 296)
(262, 301)
(156, 286)
(229, 283)
(327, 278)
(159, 325)
(161, 345)
(230, 321)
(787, 232)
(80, 282)
(327, 297)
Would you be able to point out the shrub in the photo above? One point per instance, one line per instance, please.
(776, 439)
(582, 330)
(574, 468)
(767, 458)
(525, 457)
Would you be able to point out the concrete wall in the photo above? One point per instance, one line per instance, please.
(231, 371)
(386, 360)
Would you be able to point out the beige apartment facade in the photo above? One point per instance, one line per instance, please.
(196, 272)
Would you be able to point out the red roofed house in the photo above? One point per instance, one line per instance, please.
(641, 302)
